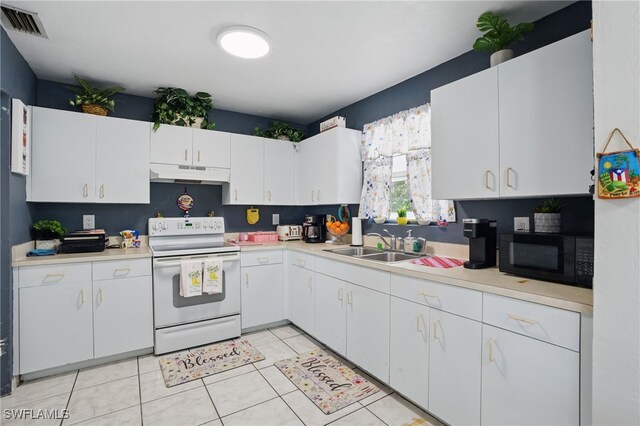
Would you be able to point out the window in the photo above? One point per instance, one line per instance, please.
(399, 188)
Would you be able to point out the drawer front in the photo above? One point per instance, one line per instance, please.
(541, 322)
(111, 269)
(256, 258)
(365, 277)
(457, 300)
(303, 260)
(67, 273)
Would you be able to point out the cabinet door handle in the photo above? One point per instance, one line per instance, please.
(426, 295)
(340, 294)
(419, 320)
(490, 343)
(318, 195)
(301, 262)
(85, 190)
(101, 191)
(236, 194)
(100, 295)
(246, 278)
(127, 270)
(81, 297)
(310, 284)
(60, 274)
(269, 195)
(509, 170)
(350, 298)
(198, 156)
(312, 194)
(486, 179)
(263, 260)
(435, 330)
(522, 319)
(185, 155)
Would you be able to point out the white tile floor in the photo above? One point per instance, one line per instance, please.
(132, 392)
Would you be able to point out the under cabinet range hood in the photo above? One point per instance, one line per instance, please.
(170, 173)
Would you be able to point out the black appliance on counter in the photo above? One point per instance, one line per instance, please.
(89, 241)
(482, 243)
(313, 228)
(563, 258)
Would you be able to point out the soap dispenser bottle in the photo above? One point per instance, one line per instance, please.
(408, 242)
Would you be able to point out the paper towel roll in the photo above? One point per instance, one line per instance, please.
(356, 231)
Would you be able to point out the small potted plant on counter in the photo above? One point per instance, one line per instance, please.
(547, 216)
(92, 100)
(281, 131)
(402, 217)
(47, 233)
(174, 106)
(498, 35)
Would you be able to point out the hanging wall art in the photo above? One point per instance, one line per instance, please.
(619, 171)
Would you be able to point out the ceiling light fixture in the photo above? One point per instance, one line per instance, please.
(244, 42)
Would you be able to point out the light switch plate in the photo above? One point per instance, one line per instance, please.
(275, 219)
(521, 224)
(88, 221)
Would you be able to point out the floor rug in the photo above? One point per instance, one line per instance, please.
(437, 262)
(327, 382)
(198, 363)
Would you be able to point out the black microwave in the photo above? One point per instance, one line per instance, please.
(562, 258)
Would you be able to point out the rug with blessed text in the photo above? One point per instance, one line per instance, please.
(327, 382)
(198, 363)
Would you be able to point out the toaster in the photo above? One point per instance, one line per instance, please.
(289, 232)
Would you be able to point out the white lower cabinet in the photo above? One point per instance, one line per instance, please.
(527, 381)
(55, 325)
(368, 330)
(262, 295)
(454, 368)
(331, 312)
(301, 298)
(122, 315)
(409, 350)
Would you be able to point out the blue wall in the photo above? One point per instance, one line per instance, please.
(578, 212)
(16, 81)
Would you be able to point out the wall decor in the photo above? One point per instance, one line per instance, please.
(20, 137)
(618, 171)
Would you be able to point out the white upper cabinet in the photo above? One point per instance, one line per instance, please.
(330, 169)
(521, 129)
(83, 158)
(279, 181)
(464, 129)
(247, 171)
(188, 146)
(122, 158)
(546, 120)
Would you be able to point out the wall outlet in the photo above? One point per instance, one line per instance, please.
(275, 219)
(88, 221)
(521, 224)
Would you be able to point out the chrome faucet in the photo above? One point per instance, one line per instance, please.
(393, 243)
(375, 234)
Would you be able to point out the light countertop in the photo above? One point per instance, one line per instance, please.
(20, 258)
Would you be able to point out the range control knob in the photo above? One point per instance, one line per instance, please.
(205, 225)
(164, 226)
(154, 226)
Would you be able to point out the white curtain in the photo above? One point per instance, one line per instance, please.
(405, 133)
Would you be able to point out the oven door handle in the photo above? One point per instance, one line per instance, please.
(161, 263)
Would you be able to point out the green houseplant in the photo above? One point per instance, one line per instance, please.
(93, 100)
(282, 131)
(47, 232)
(174, 106)
(547, 216)
(402, 217)
(498, 35)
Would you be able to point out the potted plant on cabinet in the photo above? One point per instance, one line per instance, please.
(281, 131)
(174, 106)
(547, 216)
(498, 35)
(93, 100)
(402, 217)
(46, 233)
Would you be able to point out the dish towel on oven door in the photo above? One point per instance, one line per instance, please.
(212, 281)
(190, 278)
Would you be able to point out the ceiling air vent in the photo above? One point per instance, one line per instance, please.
(23, 21)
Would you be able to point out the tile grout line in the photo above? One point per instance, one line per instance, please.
(66, 407)
(281, 396)
(374, 414)
(251, 406)
(291, 408)
(140, 391)
(211, 398)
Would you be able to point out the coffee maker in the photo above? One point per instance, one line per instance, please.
(313, 228)
(482, 243)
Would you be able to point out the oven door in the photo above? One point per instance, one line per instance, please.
(541, 256)
(172, 309)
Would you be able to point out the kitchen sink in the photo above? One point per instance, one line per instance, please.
(390, 256)
(355, 251)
